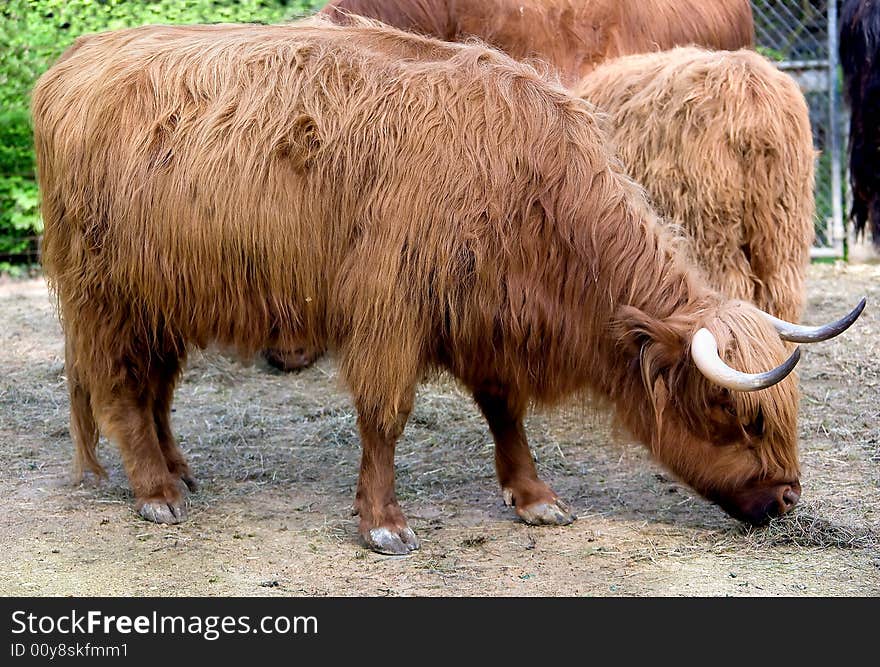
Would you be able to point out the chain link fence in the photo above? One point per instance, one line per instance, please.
(801, 36)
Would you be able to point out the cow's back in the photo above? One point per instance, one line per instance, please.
(572, 36)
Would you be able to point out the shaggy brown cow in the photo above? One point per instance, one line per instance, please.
(573, 36)
(416, 206)
(722, 143)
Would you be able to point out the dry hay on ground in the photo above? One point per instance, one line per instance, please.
(277, 457)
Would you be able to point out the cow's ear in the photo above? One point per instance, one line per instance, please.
(653, 344)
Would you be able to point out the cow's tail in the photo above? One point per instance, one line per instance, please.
(83, 428)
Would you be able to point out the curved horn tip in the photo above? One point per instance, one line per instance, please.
(792, 360)
(798, 333)
(861, 306)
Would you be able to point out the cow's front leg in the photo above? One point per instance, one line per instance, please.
(383, 526)
(535, 502)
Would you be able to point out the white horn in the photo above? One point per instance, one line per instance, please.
(704, 350)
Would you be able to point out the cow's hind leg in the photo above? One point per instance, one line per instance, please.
(163, 377)
(83, 429)
(383, 526)
(535, 502)
(124, 408)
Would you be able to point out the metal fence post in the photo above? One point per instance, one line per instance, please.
(839, 239)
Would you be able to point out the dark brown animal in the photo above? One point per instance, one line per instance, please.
(572, 36)
(722, 143)
(860, 61)
(413, 205)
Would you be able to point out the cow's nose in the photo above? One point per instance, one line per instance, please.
(789, 495)
(758, 504)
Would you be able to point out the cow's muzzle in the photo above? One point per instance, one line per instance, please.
(757, 503)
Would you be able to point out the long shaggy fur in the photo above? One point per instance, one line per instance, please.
(572, 36)
(860, 61)
(410, 204)
(722, 142)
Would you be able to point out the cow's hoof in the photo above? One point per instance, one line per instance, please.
(554, 513)
(398, 542)
(190, 482)
(163, 512)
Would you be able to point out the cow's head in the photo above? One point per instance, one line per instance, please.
(717, 417)
(300, 355)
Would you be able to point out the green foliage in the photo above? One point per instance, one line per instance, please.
(33, 33)
(20, 221)
(19, 213)
(770, 53)
(16, 149)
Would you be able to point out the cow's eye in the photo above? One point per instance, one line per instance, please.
(756, 428)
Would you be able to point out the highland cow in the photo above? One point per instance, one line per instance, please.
(722, 143)
(860, 61)
(413, 205)
(572, 36)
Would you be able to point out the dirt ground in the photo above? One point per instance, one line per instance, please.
(277, 458)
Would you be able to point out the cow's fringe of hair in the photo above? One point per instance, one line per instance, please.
(572, 36)
(409, 204)
(722, 142)
(860, 62)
